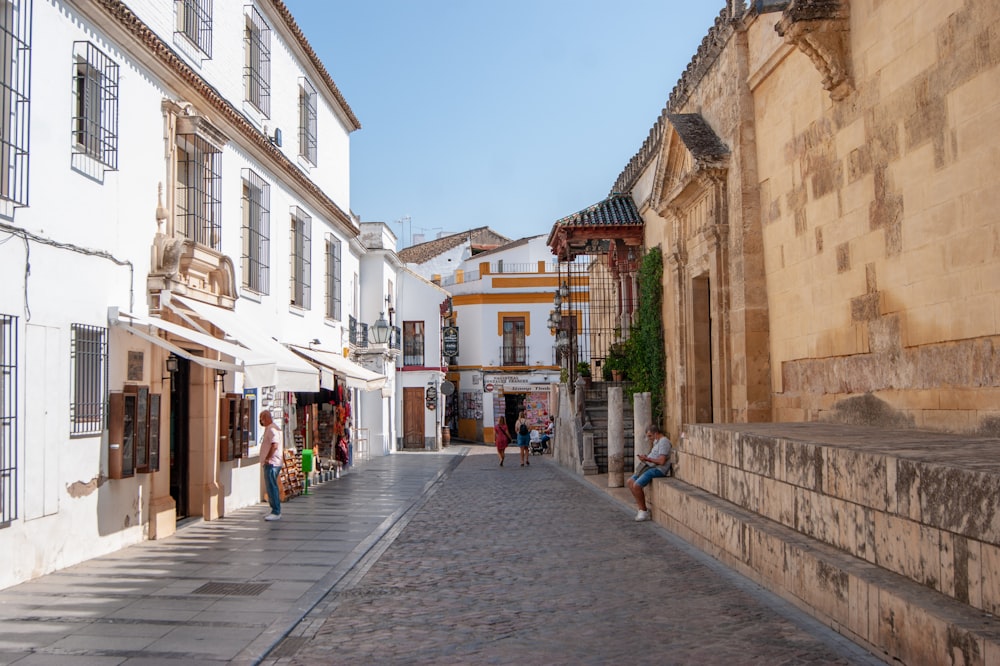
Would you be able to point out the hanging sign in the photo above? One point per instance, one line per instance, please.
(449, 339)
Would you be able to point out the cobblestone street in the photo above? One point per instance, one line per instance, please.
(530, 565)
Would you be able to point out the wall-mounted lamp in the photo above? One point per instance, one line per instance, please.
(380, 330)
(172, 364)
(220, 375)
(564, 289)
(314, 341)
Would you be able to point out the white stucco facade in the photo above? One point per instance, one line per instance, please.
(90, 236)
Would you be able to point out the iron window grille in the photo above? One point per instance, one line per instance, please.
(95, 105)
(256, 232)
(15, 85)
(257, 67)
(301, 267)
(199, 178)
(352, 330)
(89, 360)
(194, 21)
(413, 343)
(8, 419)
(514, 350)
(333, 284)
(307, 121)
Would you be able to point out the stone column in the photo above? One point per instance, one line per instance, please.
(642, 416)
(616, 438)
(589, 466)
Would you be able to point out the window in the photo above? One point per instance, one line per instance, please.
(413, 343)
(307, 121)
(333, 267)
(8, 419)
(300, 258)
(15, 75)
(256, 232)
(199, 209)
(194, 21)
(89, 360)
(95, 105)
(257, 66)
(514, 350)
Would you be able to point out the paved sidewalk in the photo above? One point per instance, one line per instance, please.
(534, 565)
(216, 592)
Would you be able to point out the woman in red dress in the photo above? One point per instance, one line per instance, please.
(502, 437)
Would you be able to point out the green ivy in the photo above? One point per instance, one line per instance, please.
(645, 362)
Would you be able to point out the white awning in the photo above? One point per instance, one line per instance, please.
(141, 327)
(266, 362)
(356, 375)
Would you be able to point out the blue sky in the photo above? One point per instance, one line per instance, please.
(503, 113)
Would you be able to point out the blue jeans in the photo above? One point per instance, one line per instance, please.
(642, 480)
(271, 483)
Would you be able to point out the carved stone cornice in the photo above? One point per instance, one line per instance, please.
(821, 30)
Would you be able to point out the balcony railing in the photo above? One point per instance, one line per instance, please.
(514, 355)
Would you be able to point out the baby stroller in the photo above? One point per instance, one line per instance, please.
(538, 444)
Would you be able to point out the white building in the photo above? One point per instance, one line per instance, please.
(420, 371)
(502, 301)
(175, 211)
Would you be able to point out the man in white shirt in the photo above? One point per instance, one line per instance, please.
(658, 460)
(271, 454)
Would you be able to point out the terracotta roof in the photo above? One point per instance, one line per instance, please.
(616, 210)
(591, 230)
(480, 238)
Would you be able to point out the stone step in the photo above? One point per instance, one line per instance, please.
(890, 614)
(919, 504)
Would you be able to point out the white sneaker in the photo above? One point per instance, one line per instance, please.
(277, 516)
(641, 516)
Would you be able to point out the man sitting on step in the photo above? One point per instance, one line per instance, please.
(656, 464)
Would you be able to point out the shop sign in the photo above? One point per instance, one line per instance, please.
(449, 338)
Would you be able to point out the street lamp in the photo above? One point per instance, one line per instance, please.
(380, 330)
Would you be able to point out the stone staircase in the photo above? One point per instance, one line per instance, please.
(890, 537)
(596, 414)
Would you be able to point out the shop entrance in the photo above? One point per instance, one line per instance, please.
(513, 404)
(180, 400)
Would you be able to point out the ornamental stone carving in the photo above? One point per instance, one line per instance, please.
(821, 30)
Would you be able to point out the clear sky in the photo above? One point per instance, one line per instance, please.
(502, 113)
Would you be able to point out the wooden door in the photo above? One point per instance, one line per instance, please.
(413, 418)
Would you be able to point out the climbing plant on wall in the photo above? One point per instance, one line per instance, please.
(645, 360)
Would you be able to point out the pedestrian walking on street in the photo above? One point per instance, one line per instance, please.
(657, 464)
(271, 445)
(523, 438)
(501, 437)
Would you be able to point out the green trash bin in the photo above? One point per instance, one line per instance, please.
(307, 468)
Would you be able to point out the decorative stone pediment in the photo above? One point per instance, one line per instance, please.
(821, 30)
(188, 268)
(691, 152)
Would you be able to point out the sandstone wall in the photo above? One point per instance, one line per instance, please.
(880, 220)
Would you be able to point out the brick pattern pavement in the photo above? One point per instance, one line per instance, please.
(531, 565)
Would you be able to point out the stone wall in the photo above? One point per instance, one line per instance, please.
(852, 240)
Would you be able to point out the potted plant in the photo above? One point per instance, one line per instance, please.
(615, 362)
(583, 370)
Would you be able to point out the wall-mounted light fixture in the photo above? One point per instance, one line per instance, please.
(380, 330)
(314, 341)
(172, 364)
(220, 375)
